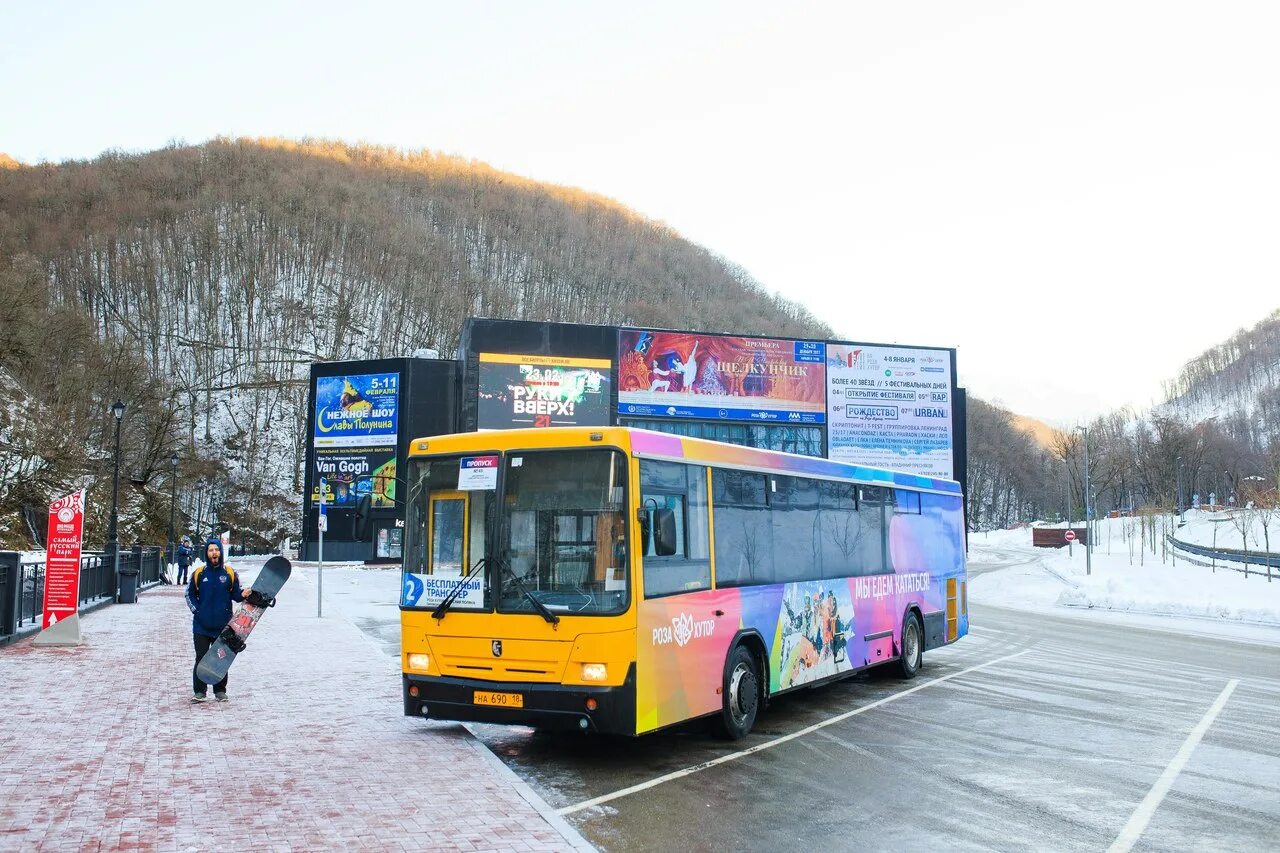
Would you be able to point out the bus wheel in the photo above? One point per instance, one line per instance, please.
(912, 647)
(741, 694)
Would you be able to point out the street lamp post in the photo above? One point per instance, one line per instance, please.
(1088, 514)
(1067, 467)
(1179, 464)
(113, 541)
(173, 498)
(199, 511)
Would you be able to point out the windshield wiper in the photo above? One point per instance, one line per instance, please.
(443, 607)
(543, 610)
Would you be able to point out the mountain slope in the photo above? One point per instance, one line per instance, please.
(197, 283)
(1236, 383)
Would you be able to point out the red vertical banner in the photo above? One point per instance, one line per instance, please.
(62, 561)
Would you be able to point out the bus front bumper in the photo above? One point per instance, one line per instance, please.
(559, 707)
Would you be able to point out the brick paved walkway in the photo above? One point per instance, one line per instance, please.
(101, 749)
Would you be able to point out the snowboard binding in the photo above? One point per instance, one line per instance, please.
(233, 642)
(257, 599)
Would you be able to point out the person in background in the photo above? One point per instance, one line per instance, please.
(213, 588)
(185, 553)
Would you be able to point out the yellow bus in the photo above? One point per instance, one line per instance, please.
(619, 580)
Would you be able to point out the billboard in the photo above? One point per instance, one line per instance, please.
(715, 377)
(542, 391)
(891, 407)
(356, 426)
(357, 411)
(351, 472)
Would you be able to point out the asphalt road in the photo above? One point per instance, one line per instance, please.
(1034, 732)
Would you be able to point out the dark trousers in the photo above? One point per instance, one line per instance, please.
(182, 572)
(202, 646)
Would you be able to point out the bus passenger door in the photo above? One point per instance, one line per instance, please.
(447, 533)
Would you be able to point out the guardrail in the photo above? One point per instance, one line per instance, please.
(22, 584)
(1247, 558)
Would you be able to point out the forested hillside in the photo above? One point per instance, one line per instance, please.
(1217, 434)
(197, 283)
(1237, 383)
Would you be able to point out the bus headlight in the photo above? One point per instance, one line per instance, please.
(419, 662)
(595, 671)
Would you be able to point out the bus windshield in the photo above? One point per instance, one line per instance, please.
(563, 539)
(449, 508)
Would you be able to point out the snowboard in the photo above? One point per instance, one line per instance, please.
(215, 663)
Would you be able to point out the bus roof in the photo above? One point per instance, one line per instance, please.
(661, 445)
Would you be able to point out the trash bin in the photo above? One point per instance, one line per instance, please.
(128, 586)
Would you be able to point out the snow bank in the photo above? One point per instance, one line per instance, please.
(1008, 572)
(1202, 528)
(1186, 590)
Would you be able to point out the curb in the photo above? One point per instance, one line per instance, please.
(525, 790)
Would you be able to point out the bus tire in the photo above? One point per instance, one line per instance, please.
(912, 656)
(741, 693)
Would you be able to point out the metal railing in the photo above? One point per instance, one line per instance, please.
(22, 583)
(1269, 562)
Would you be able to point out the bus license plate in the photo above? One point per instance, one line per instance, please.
(502, 700)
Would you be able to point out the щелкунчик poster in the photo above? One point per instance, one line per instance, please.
(717, 377)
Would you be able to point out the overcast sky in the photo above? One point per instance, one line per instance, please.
(1079, 196)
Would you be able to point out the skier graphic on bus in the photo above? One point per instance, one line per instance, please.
(815, 624)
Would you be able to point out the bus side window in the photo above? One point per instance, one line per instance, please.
(744, 534)
(796, 551)
(905, 501)
(872, 557)
(682, 489)
(840, 528)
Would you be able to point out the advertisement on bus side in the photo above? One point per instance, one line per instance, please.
(812, 630)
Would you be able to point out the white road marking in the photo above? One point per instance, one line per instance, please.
(1147, 808)
(983, 629)
(734, 756)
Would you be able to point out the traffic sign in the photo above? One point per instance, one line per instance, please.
(1070, 535)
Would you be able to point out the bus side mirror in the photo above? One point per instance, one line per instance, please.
(360, 519)
(664, 532)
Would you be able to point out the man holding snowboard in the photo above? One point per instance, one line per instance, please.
(213, 588)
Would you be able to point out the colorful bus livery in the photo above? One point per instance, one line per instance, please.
(624, 581)
(816, 565)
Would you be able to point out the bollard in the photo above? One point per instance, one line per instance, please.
(10, 591)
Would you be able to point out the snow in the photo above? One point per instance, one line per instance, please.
(1140, 588)
(1201, 528)
(366, 596)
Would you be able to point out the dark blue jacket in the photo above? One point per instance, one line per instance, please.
(209, 596)
(184, 555)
